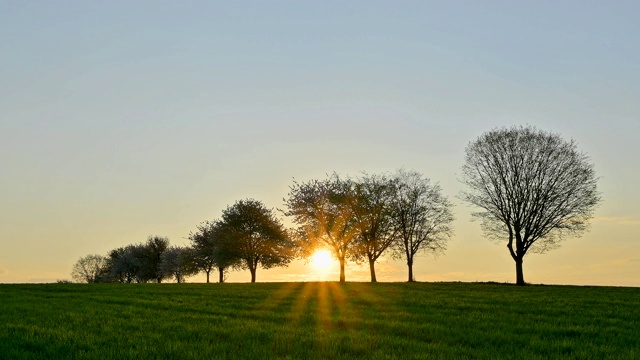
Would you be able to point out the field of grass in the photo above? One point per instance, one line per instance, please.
(318, 320)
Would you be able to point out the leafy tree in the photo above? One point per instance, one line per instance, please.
(152, 257)
(176, 263)
(252, 234)
(422, 217)
(210, 251)
(532, 187)
(370, 202)
(320, 210)
(89, 269)
(125, 263)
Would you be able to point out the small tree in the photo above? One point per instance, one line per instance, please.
(371, 203)
(152, 256)
(422, 217)
(532, 187)
(126, 263)
(209, 250)
(177, 263)
(252, 234)
(89, 269)
(323, 217)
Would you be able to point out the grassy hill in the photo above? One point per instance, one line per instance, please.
(318, 320)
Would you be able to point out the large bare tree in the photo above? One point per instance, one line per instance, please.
(422, 217)
(533, 189)
(320, 209)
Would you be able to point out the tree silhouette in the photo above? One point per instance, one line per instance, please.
(124, 263)
(176, 262)
(323, 217)
(154, 248)
(371, 205)
(89, 269)
(533, 189)
(422, 217)
(209, 249)
(252, 234)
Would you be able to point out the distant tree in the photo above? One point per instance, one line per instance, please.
(255, 236)
(371, 205)
(532, 187)
(319, 208)
(210, 251)
(154, 248)
(422, 217)
(125, 263)
(177, 263)
(89, 269)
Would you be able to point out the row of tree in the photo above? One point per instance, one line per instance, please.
(357, 219)
(532, 189)
(153, 261)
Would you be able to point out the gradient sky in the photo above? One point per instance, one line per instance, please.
(120, 119)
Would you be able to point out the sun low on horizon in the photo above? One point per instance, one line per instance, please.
(323, 263)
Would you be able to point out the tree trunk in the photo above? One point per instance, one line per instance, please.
(342, 277)
(207, 272)
(410, 266)
(221, 275)
(372, 269)
(253, 275)
(519, 273)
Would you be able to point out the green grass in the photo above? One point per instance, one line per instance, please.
(318, 320)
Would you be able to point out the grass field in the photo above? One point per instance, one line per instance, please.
(318, 320)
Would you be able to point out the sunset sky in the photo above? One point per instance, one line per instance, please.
(120, 120)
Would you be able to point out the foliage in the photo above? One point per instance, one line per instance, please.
(422, 217)
(533, 189)
(177, 263)
(140, 262)
(318, 321)
(209, 249)
(319, 208)
(154, 248)
(89, 269)
(125, 263)
(252, 234)
(371, 204)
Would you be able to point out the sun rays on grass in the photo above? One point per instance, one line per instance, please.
(317, 320)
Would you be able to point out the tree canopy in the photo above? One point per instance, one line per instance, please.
(254, 236)
(422, 217)
(532, 187)
(319, 208)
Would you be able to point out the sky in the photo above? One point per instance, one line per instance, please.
(120, 120)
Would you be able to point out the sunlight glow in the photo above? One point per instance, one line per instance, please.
(321, 259)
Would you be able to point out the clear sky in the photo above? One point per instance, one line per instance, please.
(120, 119)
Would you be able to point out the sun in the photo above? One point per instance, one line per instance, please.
(321, 259)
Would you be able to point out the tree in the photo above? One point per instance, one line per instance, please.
(532, 187)
(124, 265)
(324, 219)
(209, 250)
(176, 263)
(422, 217)
(89, 269)
(252, 234)
(370, 202)
(152, 256)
